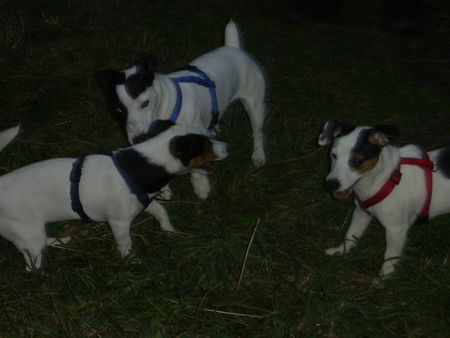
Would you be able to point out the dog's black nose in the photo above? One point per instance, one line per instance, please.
(140, 138)
(332, 185)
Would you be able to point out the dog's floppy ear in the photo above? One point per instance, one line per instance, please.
(333, 129)
(382, 135)
(109, 77)
(147, 63)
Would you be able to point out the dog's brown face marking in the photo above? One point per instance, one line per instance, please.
(361, 164)
(193, 150)
(207, 156)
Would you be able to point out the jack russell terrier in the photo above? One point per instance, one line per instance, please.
(196, 95)
(112, 187)
(398, 186)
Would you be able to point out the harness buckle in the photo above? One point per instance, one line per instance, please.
(396, 176)
(435, 167)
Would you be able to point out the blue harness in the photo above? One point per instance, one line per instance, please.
(202, 80)
(75, 176)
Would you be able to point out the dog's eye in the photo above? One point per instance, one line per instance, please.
(333, 156)
(144, 104)
(119, 110)
(357, 162)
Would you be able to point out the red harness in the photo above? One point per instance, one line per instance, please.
(394, 180)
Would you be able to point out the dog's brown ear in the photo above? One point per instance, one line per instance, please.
(382, 135)
(333, 129)
(149, 63)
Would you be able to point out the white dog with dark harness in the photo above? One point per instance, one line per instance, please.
(112, 187)
(399, 186)
(196, 95)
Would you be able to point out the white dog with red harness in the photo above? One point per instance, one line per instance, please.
(398, 186)
(197, 95)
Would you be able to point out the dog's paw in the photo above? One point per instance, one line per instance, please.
(378, 283)
(167, 226)
(337, 250)
(57, 241)
(201, 185)
(258, 158)
(165, 193)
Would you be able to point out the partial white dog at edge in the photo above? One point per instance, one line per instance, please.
(138, 95)
(41, 193)
(363, 160)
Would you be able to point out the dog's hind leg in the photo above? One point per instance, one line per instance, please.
(360, 222)
(121, 233)
(159, 212)
(256, 110)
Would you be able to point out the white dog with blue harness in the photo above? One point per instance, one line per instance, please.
(111, 188)
(196, 95)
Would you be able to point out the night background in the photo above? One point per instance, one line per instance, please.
(251, 261)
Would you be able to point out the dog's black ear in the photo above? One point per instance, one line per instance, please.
(333, 129)
(147, 63)
(188, 147)
(108, 78)
(382, 135)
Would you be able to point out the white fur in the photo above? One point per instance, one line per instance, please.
(39, 193)
(237, 77)
(398, 211)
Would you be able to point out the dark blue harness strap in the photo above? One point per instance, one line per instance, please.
(204, 81)
(134, 187)
(75, 175)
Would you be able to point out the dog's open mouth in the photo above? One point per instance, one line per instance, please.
(340, 195)
(207, 167)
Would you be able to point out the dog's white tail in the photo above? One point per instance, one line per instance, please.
(232, 38)
(7, 135)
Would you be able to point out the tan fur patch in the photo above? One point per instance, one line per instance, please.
(367, 165)
(203, 158)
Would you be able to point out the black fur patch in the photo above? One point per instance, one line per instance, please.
(107, 81)
(364, 147)
(155, 128)
(443, 161)
(150, 177)
(158, 126)
(189, 146)
(138, 82)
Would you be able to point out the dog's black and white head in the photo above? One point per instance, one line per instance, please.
(355, 151)
(172, 149)
(130, 96)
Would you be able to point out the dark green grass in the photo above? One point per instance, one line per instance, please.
(191, 285)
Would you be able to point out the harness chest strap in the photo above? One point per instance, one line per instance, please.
(204, 81)
(394, 180)
(75, 176)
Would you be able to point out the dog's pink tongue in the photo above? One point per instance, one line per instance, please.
(341, 194)
(208, 166)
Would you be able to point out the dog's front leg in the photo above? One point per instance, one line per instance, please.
(395, 242)
(200, 182)
(159, 212)
(360, 222)
(121, 233)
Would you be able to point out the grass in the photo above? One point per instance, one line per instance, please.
(252, 261)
